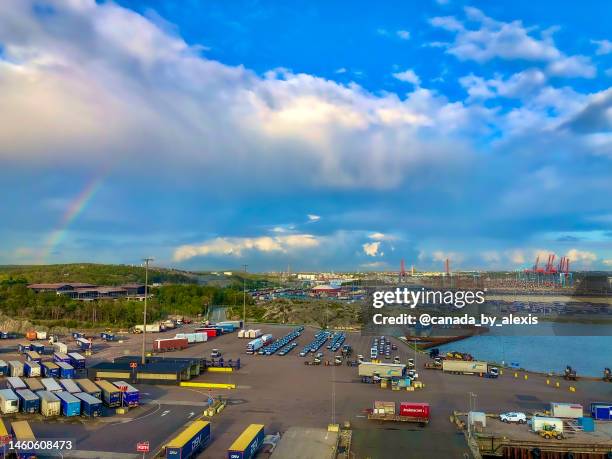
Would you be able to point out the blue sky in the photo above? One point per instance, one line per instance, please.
(321, 135)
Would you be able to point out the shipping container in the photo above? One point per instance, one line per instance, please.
(248, 443)
(89, 387)
(22, 433)
(33, 384)
(210, 332)
(69, 404)
(41, 335)
(384, 407)
(151, 328)
(15, 382)
(465, 366)
(33, 356)
(61, 357)
(51, 385)
(69, 385)
(31, 335)
(384, 370)
(190, 441)
(111, 396)
(170, 344)
(49, 404)
(76, 360)
(50, 370)
(9, 402)
(60, 347)
(36, 347)
(23, 348)
(29, 401)
(16, 368)
(587, 424)
(601, 411)
(242, 334)
(90, 405)
(130, 395)
(566, 410)
(538, 423)
(415, 410)
(32, 369)
(66, 370)
(84, 344)
(4, 368)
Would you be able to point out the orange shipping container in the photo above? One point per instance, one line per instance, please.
(31, 335)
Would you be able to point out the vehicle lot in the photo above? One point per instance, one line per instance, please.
(280, 392)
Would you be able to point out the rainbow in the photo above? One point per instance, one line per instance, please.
(76, 207)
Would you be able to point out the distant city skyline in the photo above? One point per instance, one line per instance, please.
(321, 136)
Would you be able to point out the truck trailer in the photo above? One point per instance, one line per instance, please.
(90, 405)
(23, 436)
(470, 367)
(111, 395)
(29, 401)
(130, 395)
(51, 385)
(248, 443)
(31, 369)
(384, 370)
(9, 402)
(66, 370)
(15, 382)
(76, 360)
(190, 441)
(50, 405)
(566, 410)
(407, 412)
(170, 344)
(89, 387)
(69, 404)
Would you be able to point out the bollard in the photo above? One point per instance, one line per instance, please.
(526, 377)
(501, 372)
(516, 375)
(572, 389)
(557, 384)
(548, 382)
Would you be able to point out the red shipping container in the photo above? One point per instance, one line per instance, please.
(31, 335)
(170, 344)
(210, 332)
(414, 410)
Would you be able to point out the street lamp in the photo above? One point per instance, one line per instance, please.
(472, 395)
(144, 327)
(244, 297)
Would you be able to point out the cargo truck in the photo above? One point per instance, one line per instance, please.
(130, 395)
(15, 382)
(23, 436)
(51, 385)
(90, 405)
(4, 368)
(49, 404)
(248, 443)
(16, 368)
(50, 370)
(33, 384)
(256, 344)
(170, 344)
(469, 367)
(89, 387)
(9, 402)
(190, 441)
(69, 386)
(384, 370)
(31, 369)
(151, 328)
(29, 401)
(76, 360)
(566, 410)
(111, 396)
(69, 404)
(408, 412)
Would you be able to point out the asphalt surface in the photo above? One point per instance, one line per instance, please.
(281, 392)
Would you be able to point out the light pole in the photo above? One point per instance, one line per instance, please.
(144, 326)
(244, 297)
(472, 395)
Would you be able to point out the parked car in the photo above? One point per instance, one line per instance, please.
(520, 418)
(216, 353)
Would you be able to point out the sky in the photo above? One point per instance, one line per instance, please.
(306, 135)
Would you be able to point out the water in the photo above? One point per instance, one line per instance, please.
(588, 355)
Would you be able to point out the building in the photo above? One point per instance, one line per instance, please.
(88, 292)
(59, 287)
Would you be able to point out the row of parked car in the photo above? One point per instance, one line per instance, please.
(319, 339)
(337, 339)
(282, 342)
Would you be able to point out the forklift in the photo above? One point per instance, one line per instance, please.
(570, 374)
(607, 376)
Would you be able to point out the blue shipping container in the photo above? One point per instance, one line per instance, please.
(189, 442)
(90, 405)
(601, 411)
(60, 357)
(248, 443)
(31, 369)
(66, 370)
(28, 401)
(38, 348)
(4, 368)
(77, 360)
(24, 348)
(50, 370)
(131, 396)
(71, 406)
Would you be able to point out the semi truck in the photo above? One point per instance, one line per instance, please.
(384, 370)
(256, 344)
(469, 367)
(150, 328)
(248, 443)
(190, 441)
(407, 412)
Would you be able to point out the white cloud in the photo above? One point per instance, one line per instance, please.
(581, 256)
(408, 76)
(516, 256)
(235, 246)
(603, 46)
(374, 264)
(403, 34)
(341, 70)
(377, 236)
(607, 262)
(313, 218)
(371, 248)
(509, 40)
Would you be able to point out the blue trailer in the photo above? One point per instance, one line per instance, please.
(601, 411)
(90, 405)
(111, 395)
(107, 336)
(66, 370)
(61, 357)
(248, 443)
(70, 405)
(84, 344)
(31, 369)
(130, 395)
(23, 348)
(76, 360)
(77, 335)
(4, 368)
(28, 401)
(50, 370)
(190, 441)
(40, 348)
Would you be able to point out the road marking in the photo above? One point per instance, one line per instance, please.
(165, 413)
(244, 387)
(175, 402)
(192, 414)
(98, 454)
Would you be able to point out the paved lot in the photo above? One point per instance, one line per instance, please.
(282, 392)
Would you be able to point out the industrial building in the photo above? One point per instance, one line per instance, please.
(85, 292)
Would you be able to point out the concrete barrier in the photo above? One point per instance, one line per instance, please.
(206, 385)
(220, 369)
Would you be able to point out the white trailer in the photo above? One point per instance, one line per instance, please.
(566, 410)
(9, 402)
(51, 385)
(60, 347)
(539, 423)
